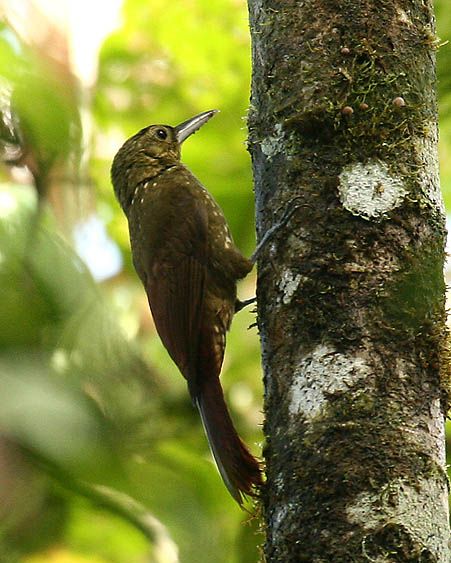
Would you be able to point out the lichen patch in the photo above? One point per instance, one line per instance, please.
(428, 169)
(421, 510)
(320, 374)
(369, 190)
(436, 430)
(272, 145)
(403, 17)
(288, 285)
(281, 512)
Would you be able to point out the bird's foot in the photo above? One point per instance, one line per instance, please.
(241, 304)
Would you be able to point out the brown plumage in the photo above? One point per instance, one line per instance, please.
(184, 254)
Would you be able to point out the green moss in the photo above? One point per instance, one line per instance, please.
(377, 126)
(353, 108)
(411, 298)
(443, 337)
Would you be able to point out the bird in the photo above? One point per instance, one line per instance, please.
(184, 254)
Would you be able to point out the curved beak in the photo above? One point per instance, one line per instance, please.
(190, 126)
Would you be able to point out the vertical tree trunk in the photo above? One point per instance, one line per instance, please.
(343, 123)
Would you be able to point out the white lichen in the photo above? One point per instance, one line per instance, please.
(279, 483)
(436, 431)
(428, 436)
(280, 514)
(322, 372)
(369, 190)
(288, 285)
(403, 17)
(428, 169)
(272, 145)
(422, 509)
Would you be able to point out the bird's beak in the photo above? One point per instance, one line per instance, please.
(190, 126)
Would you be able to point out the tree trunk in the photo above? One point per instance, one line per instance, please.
(343, 124)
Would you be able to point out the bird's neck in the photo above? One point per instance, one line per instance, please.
(149, 170)
(142, 173)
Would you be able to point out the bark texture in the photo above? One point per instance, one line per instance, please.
(343, 123)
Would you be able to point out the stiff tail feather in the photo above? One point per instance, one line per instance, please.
(239, 469)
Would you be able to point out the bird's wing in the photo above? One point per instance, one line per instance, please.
(176, 285)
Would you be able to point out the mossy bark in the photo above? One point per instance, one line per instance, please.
(343, 125)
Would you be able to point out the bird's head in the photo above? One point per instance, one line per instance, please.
(149, 152)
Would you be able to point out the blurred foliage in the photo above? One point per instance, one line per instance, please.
(43, 133)
(443, 15)
(102, 456)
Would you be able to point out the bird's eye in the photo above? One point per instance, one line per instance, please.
(161, 134)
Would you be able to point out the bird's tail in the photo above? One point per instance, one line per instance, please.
(239, 469)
